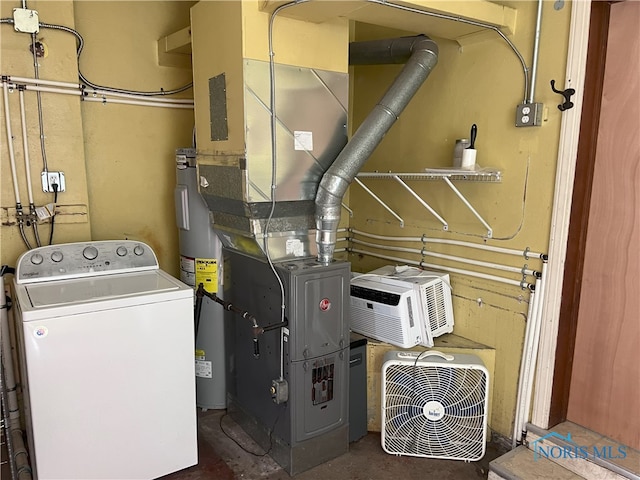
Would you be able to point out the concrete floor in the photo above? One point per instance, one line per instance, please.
(222, 459)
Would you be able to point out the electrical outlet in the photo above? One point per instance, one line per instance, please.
(51, 178)
(529, 115)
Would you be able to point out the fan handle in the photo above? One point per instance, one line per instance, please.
(427, 353)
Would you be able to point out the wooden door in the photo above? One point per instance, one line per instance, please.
(605, 381)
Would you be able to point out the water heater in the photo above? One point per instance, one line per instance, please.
(201, 262)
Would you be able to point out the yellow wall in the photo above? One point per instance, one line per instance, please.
(244, 34)
(479, 83)
(130, 150)
(118, 160)
(126, 181)
(63, 127)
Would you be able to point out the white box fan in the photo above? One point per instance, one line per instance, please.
(404, 306)
(434, 405)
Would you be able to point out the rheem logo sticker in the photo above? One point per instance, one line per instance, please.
(325, 304)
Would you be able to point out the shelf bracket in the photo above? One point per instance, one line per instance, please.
(377, 199)
(469, 206)
(347, 209)
(445, 225)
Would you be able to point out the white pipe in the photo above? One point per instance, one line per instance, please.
(425, 239)
(19, 451)
(79, 87)
(12, 158)
(139, 103)
(78, 93)
(423, 252)
(64, 91)
(146, 97)
(440, 267)
(39, 81)
(526, 345)
(25, 144)
(534, 348)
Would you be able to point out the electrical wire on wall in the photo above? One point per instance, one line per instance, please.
(86, 81)
(36, 85)
(274, 178)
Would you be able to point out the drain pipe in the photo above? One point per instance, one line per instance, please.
(421, 55)
(19, 459)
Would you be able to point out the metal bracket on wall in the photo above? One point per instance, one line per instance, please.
(447, 175)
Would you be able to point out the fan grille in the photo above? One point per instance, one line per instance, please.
(434, 411)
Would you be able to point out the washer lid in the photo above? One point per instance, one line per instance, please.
(96, 289)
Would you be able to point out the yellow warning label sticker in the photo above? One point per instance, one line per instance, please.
(207, 274)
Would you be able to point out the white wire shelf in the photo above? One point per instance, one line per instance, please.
(448, 175)
(479, 174)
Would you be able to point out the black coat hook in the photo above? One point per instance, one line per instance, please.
(566, 94)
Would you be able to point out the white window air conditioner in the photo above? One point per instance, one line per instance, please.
(403, 306)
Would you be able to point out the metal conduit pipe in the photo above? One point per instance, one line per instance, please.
(536, 51)
(468, 22)
(422, 53)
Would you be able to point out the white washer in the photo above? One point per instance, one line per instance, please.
(106, 344)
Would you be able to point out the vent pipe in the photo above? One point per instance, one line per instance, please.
(420, 54)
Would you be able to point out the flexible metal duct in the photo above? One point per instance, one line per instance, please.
(420, 54)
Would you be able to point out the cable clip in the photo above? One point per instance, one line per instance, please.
(525, 253)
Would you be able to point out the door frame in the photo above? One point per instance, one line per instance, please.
(556, 331)
(583, 183)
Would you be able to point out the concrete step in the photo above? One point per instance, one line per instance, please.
(520, 464)
(586, 453)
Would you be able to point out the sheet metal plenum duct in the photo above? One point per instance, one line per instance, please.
(311, 181)
(421, 55)
(311, 110)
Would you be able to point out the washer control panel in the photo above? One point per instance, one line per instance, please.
(75, 260)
